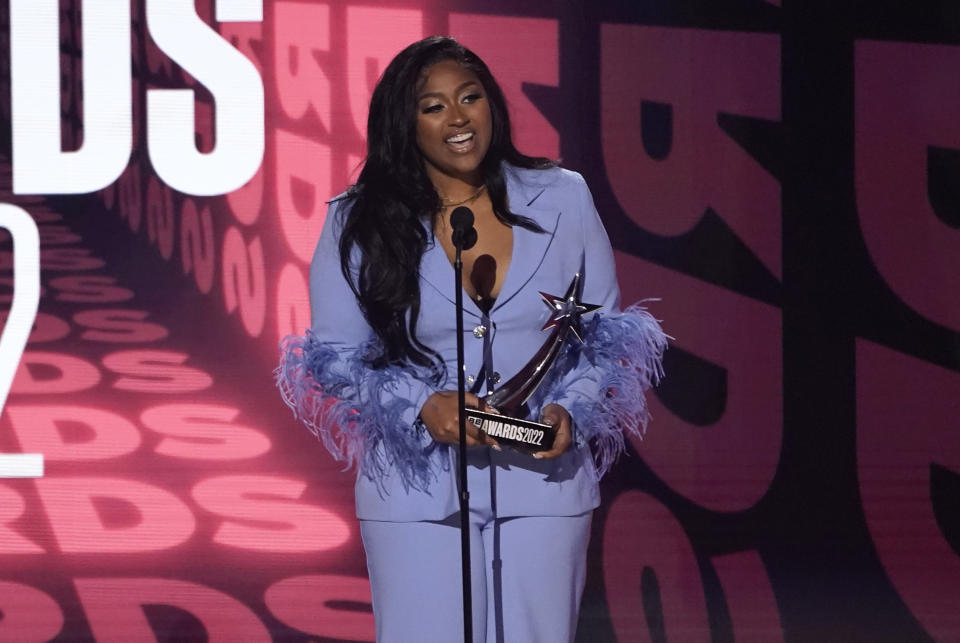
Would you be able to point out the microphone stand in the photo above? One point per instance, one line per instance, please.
(464, 237)
(462, 465)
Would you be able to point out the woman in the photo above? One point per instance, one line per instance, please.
(375, 376)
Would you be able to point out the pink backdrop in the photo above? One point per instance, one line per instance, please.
(782, 177)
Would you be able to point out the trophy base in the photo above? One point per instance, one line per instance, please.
(521, 435)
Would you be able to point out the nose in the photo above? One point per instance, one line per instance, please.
(458, 118)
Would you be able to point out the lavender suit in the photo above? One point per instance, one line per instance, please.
(368, 417)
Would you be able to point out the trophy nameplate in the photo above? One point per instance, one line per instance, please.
(522, 435)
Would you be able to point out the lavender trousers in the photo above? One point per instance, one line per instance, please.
(527, 572)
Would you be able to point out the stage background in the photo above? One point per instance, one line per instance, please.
(783, 175)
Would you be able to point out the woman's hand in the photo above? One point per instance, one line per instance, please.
(439, 415)
(557, 417)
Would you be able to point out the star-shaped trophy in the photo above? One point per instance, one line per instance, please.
(568, 309)
(509, 399)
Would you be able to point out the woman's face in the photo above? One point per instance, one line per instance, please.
(453, 122)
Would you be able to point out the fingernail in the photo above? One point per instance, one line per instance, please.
(496, 447)
(538, 456)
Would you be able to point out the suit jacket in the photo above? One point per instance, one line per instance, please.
(368, 417)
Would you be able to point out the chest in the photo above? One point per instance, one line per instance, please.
(540, 262)
(485, 265)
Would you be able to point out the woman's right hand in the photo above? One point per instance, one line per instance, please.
(439, 415)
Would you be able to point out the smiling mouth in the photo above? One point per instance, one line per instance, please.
(462, 142)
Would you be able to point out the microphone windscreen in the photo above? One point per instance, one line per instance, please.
(461, 218)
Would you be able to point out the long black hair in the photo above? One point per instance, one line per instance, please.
(393, 196)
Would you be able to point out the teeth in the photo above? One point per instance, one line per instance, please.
(460, 138)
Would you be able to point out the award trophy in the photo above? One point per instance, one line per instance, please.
(508, 428)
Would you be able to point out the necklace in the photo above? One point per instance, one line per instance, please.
(470, 198)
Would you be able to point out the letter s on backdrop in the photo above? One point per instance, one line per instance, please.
(237, 93)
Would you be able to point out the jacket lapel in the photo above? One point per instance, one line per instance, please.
(436, 270)
(529, 247)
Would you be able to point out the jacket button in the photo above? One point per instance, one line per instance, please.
(480, 331)
(471, 379)
(496, 377)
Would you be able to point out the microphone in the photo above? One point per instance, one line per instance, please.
(464, 234)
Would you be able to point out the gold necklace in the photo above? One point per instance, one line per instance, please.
(470, 198)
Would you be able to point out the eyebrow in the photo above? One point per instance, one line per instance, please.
(456, 91)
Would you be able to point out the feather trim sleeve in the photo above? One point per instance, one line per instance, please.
(604, 380)
(365, 417)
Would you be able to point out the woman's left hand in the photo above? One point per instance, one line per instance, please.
(557, 417)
